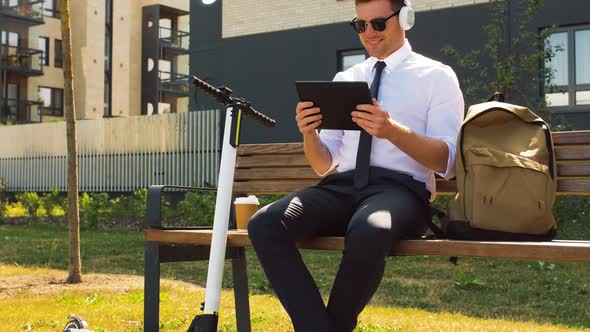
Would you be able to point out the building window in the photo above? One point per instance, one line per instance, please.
(349, 58)
(165, 67)
(44, 46)
(51, 8)
(569, 86)
(10, 38)
(58, 60)
(53, 101)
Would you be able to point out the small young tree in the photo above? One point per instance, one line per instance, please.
(512, 58)
(75, 274)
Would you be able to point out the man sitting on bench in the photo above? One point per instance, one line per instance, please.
(380, 194)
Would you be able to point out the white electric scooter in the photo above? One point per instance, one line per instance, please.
(207, 322)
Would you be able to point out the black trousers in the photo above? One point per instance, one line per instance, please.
(391, 207)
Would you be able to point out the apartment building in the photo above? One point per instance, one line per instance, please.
(259, 48)
(107, 55)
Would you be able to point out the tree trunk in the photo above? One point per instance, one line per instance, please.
(75, 274)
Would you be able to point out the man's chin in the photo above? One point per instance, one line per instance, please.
(375, 53)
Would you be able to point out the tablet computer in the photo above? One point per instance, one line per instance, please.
(336, 101)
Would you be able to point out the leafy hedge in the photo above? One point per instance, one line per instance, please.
(198, 208)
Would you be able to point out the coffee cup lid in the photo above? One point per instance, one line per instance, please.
(247, 200)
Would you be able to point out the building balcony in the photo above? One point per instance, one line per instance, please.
(18, 111)
(29, 12)
(174, 83)
(174, 41)
(25, 61)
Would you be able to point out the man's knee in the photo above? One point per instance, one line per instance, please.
(367, 243)
(265, 225)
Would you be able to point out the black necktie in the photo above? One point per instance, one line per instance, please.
(363, 156)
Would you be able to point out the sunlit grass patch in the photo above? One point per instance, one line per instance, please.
(398, 320)
(9, 270)
(417, 293)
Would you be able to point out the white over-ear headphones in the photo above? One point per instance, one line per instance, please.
(406, 16)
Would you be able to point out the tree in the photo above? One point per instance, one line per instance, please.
(75, 274)
(511, 60)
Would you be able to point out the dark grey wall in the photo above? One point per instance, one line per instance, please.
(570, 12)
(205, 50)
(262, 68)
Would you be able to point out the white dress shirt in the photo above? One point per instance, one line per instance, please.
(419, 93)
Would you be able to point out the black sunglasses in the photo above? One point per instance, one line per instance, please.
(378, 24)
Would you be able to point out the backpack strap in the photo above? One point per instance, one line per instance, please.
(442, 217)
(438, 232)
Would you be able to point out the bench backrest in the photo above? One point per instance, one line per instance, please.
(281, 168)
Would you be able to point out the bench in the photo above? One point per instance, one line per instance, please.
(283, 168)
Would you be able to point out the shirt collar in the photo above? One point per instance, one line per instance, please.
(395, 58)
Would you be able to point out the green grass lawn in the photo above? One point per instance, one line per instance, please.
(417, 293)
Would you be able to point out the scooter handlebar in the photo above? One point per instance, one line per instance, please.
(223, 95)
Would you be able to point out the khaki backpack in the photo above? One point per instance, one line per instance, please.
(506, 176)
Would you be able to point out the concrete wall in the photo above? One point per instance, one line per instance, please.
(246, 17)
(116, 154)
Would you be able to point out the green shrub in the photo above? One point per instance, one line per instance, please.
(53, 203)
(15, 209)
(441, 202)
(129, 205)
(167, 211)
(2, 189)
(2, 212)
(267, 199)
(56, 211)
(94, 207)
(32, 203)
(197, 209)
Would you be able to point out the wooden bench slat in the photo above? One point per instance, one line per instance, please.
(272, 187)
(264, 173)
(565, 186)
(573, 186)
(581, 169)
(572, 152)
(571, 137)
(564, 171)
(578, 251)
(291, 153)
(446, 186)
(271, 160)
(270, 148)
(559, 138)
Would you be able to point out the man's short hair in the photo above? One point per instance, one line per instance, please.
(395, 4)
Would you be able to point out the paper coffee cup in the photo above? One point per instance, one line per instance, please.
(245, 209)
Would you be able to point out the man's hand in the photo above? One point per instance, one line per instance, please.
(375, 120)
(308, 118)
(429, 152)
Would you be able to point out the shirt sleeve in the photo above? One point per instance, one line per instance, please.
(332, 139)
(445, 114)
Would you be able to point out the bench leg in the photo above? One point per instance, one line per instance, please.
(151, 304)
(240, 275)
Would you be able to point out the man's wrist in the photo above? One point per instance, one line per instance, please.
(397, 133)
(311, 135)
